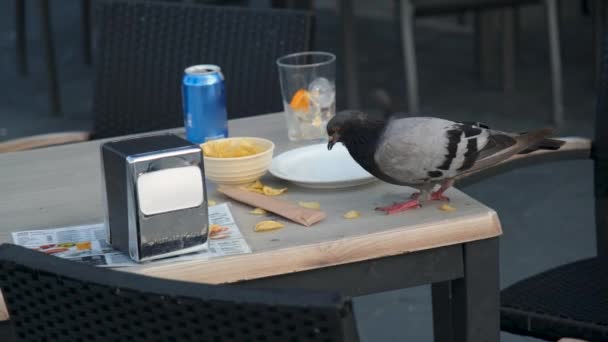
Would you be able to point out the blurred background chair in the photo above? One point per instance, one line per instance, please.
(597, 9)
(410, 9)
(46, 33)
(53, 299)
(144, 47)
(571, 300)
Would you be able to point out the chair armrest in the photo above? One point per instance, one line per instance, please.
(43, 140)
(3, 311)
(574, 148)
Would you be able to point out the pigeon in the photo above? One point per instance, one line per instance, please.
(424, 152)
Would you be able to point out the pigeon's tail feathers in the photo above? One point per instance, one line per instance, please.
(501, 146)
(545, 144)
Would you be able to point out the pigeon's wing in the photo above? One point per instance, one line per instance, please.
(418, 150)
(501, 146)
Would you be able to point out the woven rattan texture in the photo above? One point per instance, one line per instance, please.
(144, 48)
(50, 306)
(568, 301)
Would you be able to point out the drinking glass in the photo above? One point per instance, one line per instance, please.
(309, 93)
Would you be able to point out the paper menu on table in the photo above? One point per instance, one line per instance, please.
(233, 242)
(88, 243)
(33, 238)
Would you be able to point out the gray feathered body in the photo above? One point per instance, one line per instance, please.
(419, 150)
(423, 151)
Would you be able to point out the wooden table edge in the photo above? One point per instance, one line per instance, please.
(397, 241)
(329, 253)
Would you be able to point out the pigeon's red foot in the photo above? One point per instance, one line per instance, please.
(399, 207)
(435, 196)
(439, 196)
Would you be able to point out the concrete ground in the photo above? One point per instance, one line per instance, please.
(546, 211)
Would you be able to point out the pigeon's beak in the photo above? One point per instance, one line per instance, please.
(333, 139)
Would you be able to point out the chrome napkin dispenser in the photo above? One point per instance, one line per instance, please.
(155, 196)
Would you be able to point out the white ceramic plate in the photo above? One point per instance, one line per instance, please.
(316, 167)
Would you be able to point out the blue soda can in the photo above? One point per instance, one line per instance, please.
(204, 101)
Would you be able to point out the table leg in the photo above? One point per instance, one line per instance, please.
(85, 23)
(598, 15)
(49, 49)
(485, 45)
(508, 49)
(443, 323)
(476, 296)
(350, 54)
(556, 61)
(409, 55)
(20, 28)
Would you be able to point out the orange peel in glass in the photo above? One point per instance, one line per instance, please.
(300, 101)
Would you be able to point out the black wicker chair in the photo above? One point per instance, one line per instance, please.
(570, 300)
(409, 9)
(53, 299)
(144, 48)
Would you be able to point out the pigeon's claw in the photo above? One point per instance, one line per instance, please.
(439, 196)
(399, 207)
(435, 196)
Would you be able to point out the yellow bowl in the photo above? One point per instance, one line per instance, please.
(240, 170)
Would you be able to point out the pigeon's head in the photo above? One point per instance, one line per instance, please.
(347, 125)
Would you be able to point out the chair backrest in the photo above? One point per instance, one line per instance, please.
(600, 152)
(430, 7)
(53, 299)
(144, 47)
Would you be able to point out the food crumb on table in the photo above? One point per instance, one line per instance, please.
(257, 211)
(447, 208)
(310, 205)
(270, 191)
(265, 226)
(352, 214)
(263, 189)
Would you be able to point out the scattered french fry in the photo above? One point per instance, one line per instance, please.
(257, 211)
(310, 205)
(211, 202)
(269, 191)
(256, 185)
(447, 208)
(353, 214)
(263, 189)
(265, 226)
